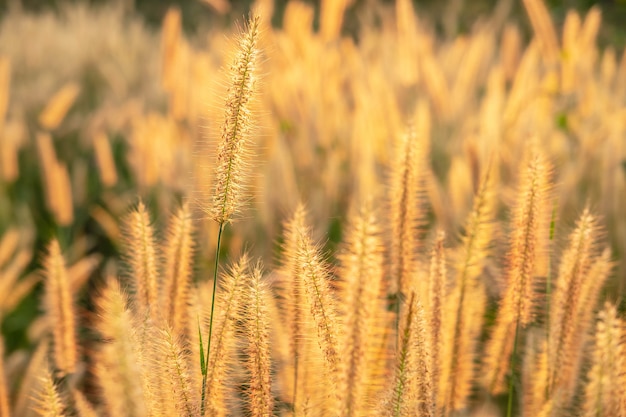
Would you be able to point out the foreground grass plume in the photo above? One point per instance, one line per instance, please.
(256, 328)
(176, 286)
(143, 262)
(567, 331)
(221, 361)
(604, 394)
(49, 402)
(120, 369)
(437, 291)
(362, 312)
(233, 149)
(173, 367)
(295, 308)
(314, 287)
(411, 391)
(59, 306)
(407, 199)
(464, 305)
(520, 301)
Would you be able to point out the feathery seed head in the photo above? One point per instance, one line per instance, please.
(603, 389)
(529, 237)
(257, 328)
(361, 274)
(142, 259)
(238, 122)
(178, 251)
(49, 403)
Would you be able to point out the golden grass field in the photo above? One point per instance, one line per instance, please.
(266, 220)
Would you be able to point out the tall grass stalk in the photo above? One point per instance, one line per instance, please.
(204, 360)
(232, 155)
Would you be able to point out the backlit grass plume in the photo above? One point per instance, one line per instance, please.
(176, 287)
(119, 369)
(142, 260)
(258, 361)
(465, 304)
(219, 364)
(316, 282)
(529, 234)
(437, 283)
(232, 150)
(360, 289)
(411, 389)
(177, 382)
(310, 314)
(569, 321)
(407, 199)
(295, 309)
(604, 393)
(49, 402)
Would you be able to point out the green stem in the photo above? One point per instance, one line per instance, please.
(509, 409)
(205, 372)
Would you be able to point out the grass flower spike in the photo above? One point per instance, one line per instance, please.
(232, 150)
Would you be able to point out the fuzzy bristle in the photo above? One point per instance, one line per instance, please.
(603, 390)
(232, 158)
(529, 236)
(464, 305)
(315, 279)
(362, 307)
(49, 402)
(408, 188)
(411, 392)
(437, 282)
(142, 260)
(178, 253)
(257, 329)
(567, 334)
(310, 316)
(173, 367)
(223, 343)
(295, 310)
(119, 368)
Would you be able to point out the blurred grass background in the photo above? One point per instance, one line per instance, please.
(450, 17)
(121, 89)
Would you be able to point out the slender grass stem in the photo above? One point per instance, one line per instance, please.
(509, 408)
(208, 349)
